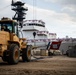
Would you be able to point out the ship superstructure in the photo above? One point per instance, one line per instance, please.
(42, 34)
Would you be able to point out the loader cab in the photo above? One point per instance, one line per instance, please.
(9, 26)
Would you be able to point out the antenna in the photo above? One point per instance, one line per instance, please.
(12, 2)
(34, 9)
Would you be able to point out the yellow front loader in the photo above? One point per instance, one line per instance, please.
(11, 46)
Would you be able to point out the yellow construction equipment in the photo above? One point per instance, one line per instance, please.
(11, 46)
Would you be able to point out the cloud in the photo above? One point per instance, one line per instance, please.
(63, 1)
(69, 8)
(67, 2)
(49, 14)
(5, 7)
(65, 6)
(53, 1)
(60, 23)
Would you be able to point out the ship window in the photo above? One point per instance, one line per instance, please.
(34, 24)
(31, 24)
(24, 24)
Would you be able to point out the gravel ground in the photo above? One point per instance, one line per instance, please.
(55, 65)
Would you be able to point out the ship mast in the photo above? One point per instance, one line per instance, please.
(12, 2)
(19, 12)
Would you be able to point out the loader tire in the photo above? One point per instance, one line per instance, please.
(26, 54)
(4, 57)
(14, 54)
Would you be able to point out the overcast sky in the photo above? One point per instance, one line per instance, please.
(59, 15)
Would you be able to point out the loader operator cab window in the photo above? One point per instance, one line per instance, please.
(6, 27)
(9, 26)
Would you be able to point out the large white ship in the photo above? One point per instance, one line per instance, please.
(42, 34)
(43, 37)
